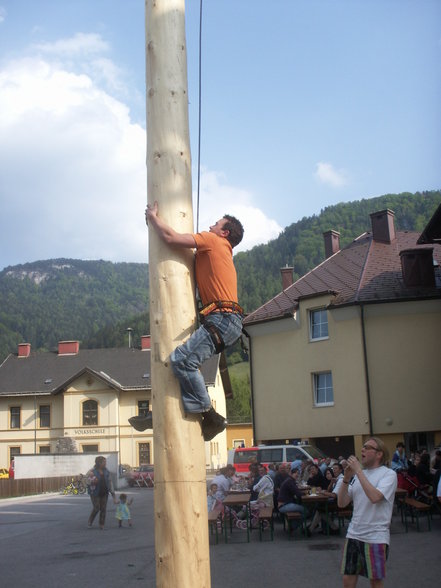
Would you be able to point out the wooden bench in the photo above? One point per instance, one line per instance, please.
(342, 514)
(289, 517)
(266, 514)
(416, 508)
(213, 521)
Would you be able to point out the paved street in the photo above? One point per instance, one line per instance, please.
(45, 542)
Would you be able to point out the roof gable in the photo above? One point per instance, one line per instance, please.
(365, 271)
(50, 373)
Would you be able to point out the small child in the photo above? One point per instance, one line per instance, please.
(122, 509)
(211, 497)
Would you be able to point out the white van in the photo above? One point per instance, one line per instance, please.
(266, 454)
(288, 453)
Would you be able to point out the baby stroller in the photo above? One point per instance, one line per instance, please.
(415, 489)
(239, 518)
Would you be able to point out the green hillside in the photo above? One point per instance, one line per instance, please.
(61, 299)
(96, 301)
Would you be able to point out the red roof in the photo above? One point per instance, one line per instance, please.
(365, 271)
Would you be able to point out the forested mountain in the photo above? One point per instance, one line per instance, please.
(96, 301)
(61, 299)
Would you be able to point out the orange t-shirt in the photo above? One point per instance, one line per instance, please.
(215, 272)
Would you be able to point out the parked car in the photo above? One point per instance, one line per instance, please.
(4, 473)
(124, 470)
(142, 476)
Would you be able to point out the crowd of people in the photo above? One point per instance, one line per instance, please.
(418, 474)
(282, 486)
(369, 484)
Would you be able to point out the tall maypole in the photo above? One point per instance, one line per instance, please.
(181, 529)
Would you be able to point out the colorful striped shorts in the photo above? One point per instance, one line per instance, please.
(364, 559)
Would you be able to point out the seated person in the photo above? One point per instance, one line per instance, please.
(436, 462)
(325, 464)
(304, 473)
(264, 488)
(327, 490)
(281, 475)
(315, 478)
(212, 501)
(253, 478)
(290, 495)
(224, 481)
(425, 477)
(399, 460)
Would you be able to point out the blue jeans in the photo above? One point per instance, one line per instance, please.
(293, 507)
(187, 358)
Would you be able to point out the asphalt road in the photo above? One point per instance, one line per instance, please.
(45, 542)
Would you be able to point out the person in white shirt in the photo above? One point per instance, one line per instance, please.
(371, 486)
(223, 481)
(264, 488)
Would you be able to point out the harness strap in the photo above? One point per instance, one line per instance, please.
(219, 305)
(218, 342)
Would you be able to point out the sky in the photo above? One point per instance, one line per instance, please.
(305, 104)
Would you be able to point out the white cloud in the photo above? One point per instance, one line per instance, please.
(327, 174)
(218, 198)
(80, 44)
(72, 167)
(2, 14)
(73, 173)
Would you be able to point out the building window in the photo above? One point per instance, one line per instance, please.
(144, 453)
(89, 448)
(45, 416)
(90, 413)
(15, 417)
(323, 390)
(318, 324)
(143, 408)
(13, 451)
(238, 443)
(44, 449)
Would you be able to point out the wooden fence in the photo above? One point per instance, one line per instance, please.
(26, 487)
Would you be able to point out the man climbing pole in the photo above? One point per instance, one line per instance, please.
(221, 316)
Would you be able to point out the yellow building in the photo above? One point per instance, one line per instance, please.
(352, 348)
(82, 400)
(239, 435)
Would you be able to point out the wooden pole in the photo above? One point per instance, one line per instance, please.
(181, 528)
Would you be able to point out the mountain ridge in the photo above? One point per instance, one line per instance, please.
(96, 301)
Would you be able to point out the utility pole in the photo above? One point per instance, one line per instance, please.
(181, 528)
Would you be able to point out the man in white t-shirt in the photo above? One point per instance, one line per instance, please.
(371, 487)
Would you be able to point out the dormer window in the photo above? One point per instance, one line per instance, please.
(318, 324)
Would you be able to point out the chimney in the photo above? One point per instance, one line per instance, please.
(286, 273)
(68, 347)
(417, 267)
(383, 226)
(145, 342)
(24, 349)
(332, 242)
